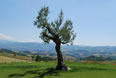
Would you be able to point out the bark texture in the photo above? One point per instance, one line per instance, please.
(60, 64)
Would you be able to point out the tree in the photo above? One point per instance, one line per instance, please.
(38, 58)
(55, 31)
(33, 57)
(14, 54)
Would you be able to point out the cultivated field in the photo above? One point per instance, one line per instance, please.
(9, 58)
(4, 59)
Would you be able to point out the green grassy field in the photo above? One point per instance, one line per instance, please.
(46, 70)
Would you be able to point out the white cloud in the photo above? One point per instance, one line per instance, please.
(5, 37)
(29, 40)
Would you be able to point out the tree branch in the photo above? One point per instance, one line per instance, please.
(48, 36)
(50, 31)
(64, 42)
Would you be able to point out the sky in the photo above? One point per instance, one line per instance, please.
(94, 21)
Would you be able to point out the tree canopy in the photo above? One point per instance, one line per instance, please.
(54, 30)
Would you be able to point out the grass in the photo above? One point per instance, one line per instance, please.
(47, 70)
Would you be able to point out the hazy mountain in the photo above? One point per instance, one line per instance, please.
(49, 49)
(23, 46)
(30, 46)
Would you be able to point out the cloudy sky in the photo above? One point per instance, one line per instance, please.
(94, 20)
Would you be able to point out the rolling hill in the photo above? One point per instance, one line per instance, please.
(75, 51)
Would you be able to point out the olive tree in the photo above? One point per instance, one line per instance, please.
(57, 31)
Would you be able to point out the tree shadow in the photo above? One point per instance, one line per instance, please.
(81, 69)
(49, 71)
(40, 73)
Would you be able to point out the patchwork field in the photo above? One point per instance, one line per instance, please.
(46, 70)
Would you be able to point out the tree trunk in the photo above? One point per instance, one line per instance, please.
(60, 64)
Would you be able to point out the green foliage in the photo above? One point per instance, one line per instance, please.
(33, 57)
(55, 30)
(38, 58)
(47, 59)
(98, 59)
(15, 54)
(44, 58)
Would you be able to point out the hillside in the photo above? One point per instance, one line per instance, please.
(13, 56)
(75, 51)
(4, 59)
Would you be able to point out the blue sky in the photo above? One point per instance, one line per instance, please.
(94, 21)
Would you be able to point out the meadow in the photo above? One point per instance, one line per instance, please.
(47, 70)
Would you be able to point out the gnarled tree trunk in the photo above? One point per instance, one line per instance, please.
(60, 64)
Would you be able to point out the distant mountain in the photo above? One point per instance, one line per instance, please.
(74, 50)
(32, 46)
(26, 46)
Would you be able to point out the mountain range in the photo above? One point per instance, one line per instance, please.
(73, 50)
